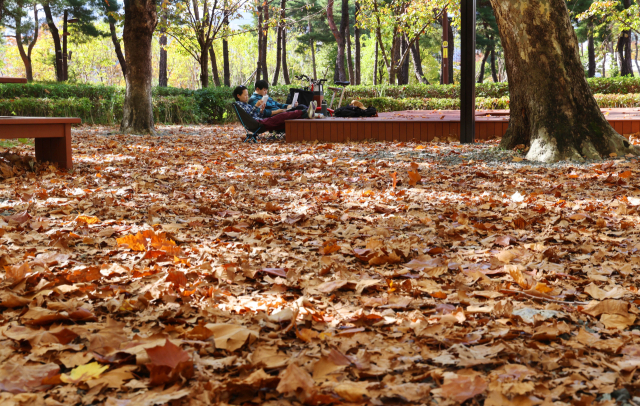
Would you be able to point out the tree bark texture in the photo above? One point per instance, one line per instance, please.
(340, 71)
(487, 52)
(118, 49)
(552, 108)
(591, 52)
(346, 33)
(260, 35)
(265, 39)
(285, 67)
(276, 74)
(163, 80)
(452, 52)
(140, 19)
(214, 66)
(226, 71)
(624, 53)
(417, 62)
(55, 35)
(403, 73)
(204, 68)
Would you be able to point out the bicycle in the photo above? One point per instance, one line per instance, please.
(318, 95)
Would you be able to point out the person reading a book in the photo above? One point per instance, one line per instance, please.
(274, 123)
(272, 107)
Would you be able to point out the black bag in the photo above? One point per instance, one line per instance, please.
(353, 111)
(305, 97)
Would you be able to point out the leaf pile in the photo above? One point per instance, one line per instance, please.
(195, 269)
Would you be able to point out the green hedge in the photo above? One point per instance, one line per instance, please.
(97, 104)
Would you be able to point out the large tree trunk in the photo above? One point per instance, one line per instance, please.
(55, 35)
(591, 52)
(552, 108)
(118, 49)
(140, 21)
(357, 34)
(417, 62)
(338, 35)
(214, 66)
(624, 54)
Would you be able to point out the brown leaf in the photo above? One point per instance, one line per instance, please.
(297, 380)
(18, 378)
(463, 387)
(169, 363)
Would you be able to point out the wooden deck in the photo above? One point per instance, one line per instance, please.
(425, 125)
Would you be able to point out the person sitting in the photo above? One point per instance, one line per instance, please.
(272, 107)
(275, 123)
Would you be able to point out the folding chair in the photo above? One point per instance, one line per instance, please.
(253, 127)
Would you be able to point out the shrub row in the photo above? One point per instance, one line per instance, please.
(169, 109)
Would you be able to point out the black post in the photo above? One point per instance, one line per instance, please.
(468, 71)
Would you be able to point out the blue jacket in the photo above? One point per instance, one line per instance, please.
(271, 104)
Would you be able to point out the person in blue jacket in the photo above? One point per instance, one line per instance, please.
(273, 107)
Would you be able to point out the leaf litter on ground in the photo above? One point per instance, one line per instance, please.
(195, 269)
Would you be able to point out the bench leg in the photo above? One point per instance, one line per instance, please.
(56, 149)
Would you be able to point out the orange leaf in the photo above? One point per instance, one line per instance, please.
(625, 174)
(131, 241)
(395, 180)
(414, 178)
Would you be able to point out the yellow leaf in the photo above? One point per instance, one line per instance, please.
(87, 219)
(131, 241)
(84, 373)
(543, 288)
(517, 159)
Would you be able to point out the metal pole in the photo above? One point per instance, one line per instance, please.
(467, 71)
(445, 48)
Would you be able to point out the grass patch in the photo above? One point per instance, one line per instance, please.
(15, 142)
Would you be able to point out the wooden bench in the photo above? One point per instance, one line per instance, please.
(12, 80)
(52, 136)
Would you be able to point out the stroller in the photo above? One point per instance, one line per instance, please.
(253, 128)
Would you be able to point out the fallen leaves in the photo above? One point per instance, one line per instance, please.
(169, 364)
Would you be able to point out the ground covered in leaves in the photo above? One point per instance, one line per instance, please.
(193, 269)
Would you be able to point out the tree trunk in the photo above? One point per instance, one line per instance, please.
(552, 108)
(375, 65)
(395, 58)
(226, 71)
(624, 54)
(591, 51)
(636, 57)
(337, 34)
(265, 38)
(276, 74)
(313, 52)
(140, 21)
(55, 35)
(403, 74)
(358, 45)
(452, 52)
(346, 33)
(26, 56)
(260, 49)
(604, 65)
(163, 80)
(417, 62)
(214, 66)
(118, 49)
(65, 56)
(494, 72)
(285, 68)
(204, 65)
(484, 61)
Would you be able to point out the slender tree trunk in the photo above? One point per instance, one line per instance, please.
(163, 80)
(260, 48)
(346, 32)
(375, 65)
(357, 34)
(214, 66)
(162, 68)
(417, 62)
(204, 65)
(487, 52)
(26, 56)
(403, 75)
(140, 19)
(395, 58)
(55, 35)
(494, 72)
(65, 55)
(552, 108)
(285, 68)
(604, 65)
(338, 35)
(265, 39)
(636, 56)
(591, 51)
(452, 52)
(225, 56)
(280, 28)
(116, 46)
(313, 51)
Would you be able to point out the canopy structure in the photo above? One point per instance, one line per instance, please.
(467, 71)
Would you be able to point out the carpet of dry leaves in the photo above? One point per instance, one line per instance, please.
(193, 269)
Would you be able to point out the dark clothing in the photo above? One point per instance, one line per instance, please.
(276, 123)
